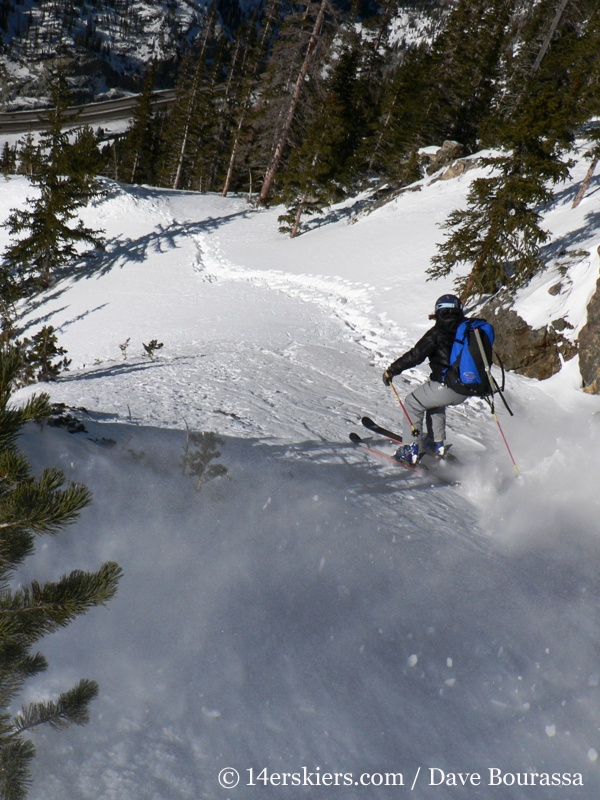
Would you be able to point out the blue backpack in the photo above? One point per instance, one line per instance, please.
(467, 371)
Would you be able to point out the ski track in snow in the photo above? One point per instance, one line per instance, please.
(349, 302)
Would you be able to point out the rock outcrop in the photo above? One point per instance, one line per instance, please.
(446, 155)
(589, 345)
(534, 352)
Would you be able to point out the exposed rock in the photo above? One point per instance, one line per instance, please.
(458, 168)
(454, 170)
(589, 345)
(445, 156)
(537, 353)
(448, 153)
(556, 289)
(561, 325)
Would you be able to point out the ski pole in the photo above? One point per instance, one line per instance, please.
(488, 370)
(514, 463)
(414, 431)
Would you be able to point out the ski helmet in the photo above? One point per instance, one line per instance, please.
(447, 302)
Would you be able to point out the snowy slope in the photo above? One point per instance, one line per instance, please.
(312, 608)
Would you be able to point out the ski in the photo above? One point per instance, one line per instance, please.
(375, 428)
(432, 478)
(355, 439)
(396, 437)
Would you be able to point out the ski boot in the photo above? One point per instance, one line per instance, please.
(408, 453)
(435, 448)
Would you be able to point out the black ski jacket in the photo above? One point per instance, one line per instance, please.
(436, 345)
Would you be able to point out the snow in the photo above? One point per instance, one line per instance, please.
(573, 253)
(312, 608)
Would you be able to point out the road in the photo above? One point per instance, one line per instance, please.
(12, 122)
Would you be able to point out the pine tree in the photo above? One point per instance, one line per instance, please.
(31, 507)
(200, 450)
(499, 234)
(320, 163)
(39, 357)
(377, 56)
(463, 71)
(183, 127)
(26, 151)
(315, 16)
(395, 137)
(588, 88)
(64, 174)
(5, 7)
(547, 70)
(443, 91)
(139, 152)
(180, 127)
(206, 154)
(9, 159)
(84, 163)
(257, 44)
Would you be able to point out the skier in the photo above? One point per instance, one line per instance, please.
(429, 400)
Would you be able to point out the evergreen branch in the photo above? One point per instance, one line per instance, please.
(14, 467)
(41, 506)
(71, 708)
(36, 409)
(17, 667)
(41, 609)
(15, 546)
(15, 760)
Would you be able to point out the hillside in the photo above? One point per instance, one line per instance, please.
(103, 45)
(107, 46)
(312, 608)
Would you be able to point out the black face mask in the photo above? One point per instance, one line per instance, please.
(448, 317)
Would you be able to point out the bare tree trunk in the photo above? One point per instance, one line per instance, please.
(246, 105)
(115, 161)
(135, 166)
(548, 38)
(585, 183)
(181, 158)
(233, 155)
(287, 124)
(297, 218)
(381, 133)
(192, 101)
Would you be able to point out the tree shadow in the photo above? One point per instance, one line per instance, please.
(333, 215)
(165, 237)
(124, 368)
(567, 195)
(43, 319)
(117, 252)
(572, 239)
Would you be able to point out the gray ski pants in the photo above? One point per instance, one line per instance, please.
(429, 401)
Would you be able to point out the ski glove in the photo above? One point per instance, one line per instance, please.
(387, 377)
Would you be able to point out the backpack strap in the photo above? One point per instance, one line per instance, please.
(488, 369)
(501, 365)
